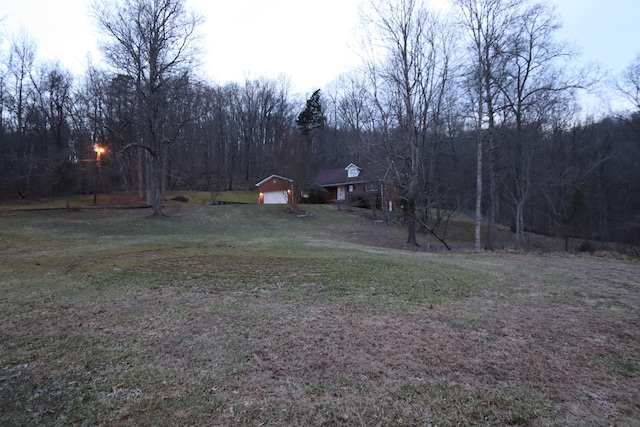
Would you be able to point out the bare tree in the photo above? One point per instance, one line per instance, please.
(153, 42)
(628, 86)
(515, 75)
(53, 92)
(22, 56)
(532, 82)
(487, 24)
(629, 83)
(409, 84)
(354, 114)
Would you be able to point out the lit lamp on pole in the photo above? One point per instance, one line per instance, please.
(99, 150)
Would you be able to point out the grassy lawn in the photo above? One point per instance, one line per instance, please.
(244, 315)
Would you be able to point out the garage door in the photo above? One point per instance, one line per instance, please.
(275, 198)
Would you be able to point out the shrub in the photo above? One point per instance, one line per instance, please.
(364, 200)
(586, 246)
(316, 195)
(180, 199)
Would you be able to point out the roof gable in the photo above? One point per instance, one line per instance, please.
(352, 170)
(352, 173)
(276, 177)
(330, 177)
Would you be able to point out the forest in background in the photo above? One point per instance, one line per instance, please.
(476, 112)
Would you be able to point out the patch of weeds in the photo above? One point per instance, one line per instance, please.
(193, 407)
(101, 358)
(627, 337)
(58, 398)
(578, 294)
(378, 410)
(363, 277)
(162, 395)
(453, 404)
(626, 367)
(612, 302)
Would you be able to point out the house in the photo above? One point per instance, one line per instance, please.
(275, 190)
(356, 185)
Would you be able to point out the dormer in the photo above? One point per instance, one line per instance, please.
(352, 171)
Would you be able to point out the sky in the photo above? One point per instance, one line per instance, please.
(310, 42)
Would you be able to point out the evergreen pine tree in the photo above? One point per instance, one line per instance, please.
(312, 117)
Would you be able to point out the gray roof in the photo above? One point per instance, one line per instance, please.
(338, 176)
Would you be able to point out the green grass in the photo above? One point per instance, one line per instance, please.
(172, 199)
(205, 197)
(247, 315)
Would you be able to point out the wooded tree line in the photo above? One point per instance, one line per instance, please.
(475, 110)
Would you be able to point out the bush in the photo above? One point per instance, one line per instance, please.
(316, 195)
(586, 246)
(180, 199)
(364, 200)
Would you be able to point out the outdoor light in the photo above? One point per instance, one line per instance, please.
(100, 150)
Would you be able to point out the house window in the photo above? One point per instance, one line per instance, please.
(353, 172)
(350, 188)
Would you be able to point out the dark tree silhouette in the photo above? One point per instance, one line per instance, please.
(312, 117)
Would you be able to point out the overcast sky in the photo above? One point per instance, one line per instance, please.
(307, 40)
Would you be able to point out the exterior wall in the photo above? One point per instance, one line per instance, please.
(274, 184)
(358, 188)
(333, 191)
(385, 192)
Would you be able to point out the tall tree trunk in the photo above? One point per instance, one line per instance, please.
(164, 170)
(141, 158)
(519, 223)
(154, 179)
(410, 218)
(478, 228)
(493, 194)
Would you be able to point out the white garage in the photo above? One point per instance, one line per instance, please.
(275, 198)
(275, 190)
